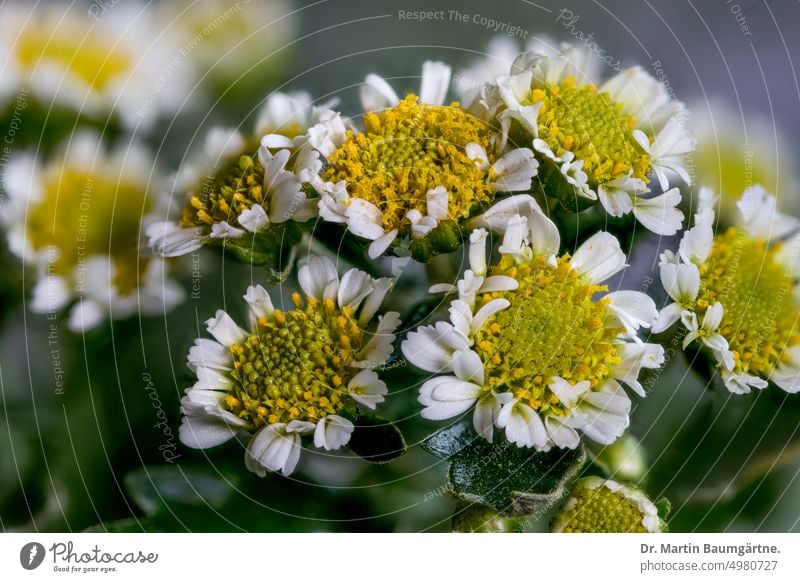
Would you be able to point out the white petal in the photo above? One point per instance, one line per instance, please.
(50, 294)
(468, 366)
(435, 81)
(374, 300)
(431, 348)
(634, 309)
(667, 317)
(86, 315)
(381, 244)
(514, 171)
(544, 237)
(259, 301)
(760, 216)
(681, 281)
(223, 230)
(367, 389)
(170, 240)
(497, 216)
(562, 435)
(376, 94)
(660, 214)
(598, 258)
(444, 397)
(566, 393)
(713, 316)
(204, 431)
(207, 353)
(477, 251)
(254, 218)
(438, 200)
(318, 278)
(332, 432)
(486, 411)
(224, 329)
(696, 243)
(487, 311)
(273, 449)
(354, 286)
(523, 425)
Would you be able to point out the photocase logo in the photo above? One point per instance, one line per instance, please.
(31, 555)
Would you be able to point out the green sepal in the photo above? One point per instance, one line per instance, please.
(272, 247)
(511, 480)
(377, 440)
(445, 238)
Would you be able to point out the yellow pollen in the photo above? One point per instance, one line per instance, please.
(755, 290)
(295, 366)
(538, 341)
(409, 149)
(589, 124)
(85, 213)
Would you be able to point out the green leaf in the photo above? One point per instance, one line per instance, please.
(156, 488)
(509, 479)
(377, 440)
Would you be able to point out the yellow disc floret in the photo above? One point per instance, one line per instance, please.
(94, 62)
(553, 327)
(85, 214)
(409, 149)
(756, 292)
(296, 365)
(586, 122)
(221, 197)
(600, 510)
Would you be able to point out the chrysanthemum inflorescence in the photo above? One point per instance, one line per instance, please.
(291, 372)
(530, 344)
(736, 293)
(419, 170)
(77, 218)
(603, 506)
(595, 142)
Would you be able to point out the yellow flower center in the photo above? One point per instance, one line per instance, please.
(296, 365)
(85, 214)
(552, 328)
(406, 151)
(600, 510)
(221, 197)
(589, 124)
(96, 63)
(756, 292)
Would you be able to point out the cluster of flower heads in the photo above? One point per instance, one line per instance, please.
(536, 344)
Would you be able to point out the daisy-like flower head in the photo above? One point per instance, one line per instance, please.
(419, 169)
(90, 65)
(596, 142)
(736, 292)
(598, 505)
(291, 372)
(736, 150)
(77, 220)
(240, 191)
(531, 347)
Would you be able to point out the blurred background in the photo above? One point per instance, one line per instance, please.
(88, 427)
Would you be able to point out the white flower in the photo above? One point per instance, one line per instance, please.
(736, 292)
(368, 184)
(338, 336)
(509, 344)
(597, 505)
(90, 261)
(270, 195)
(598, 156)
(60, 55)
